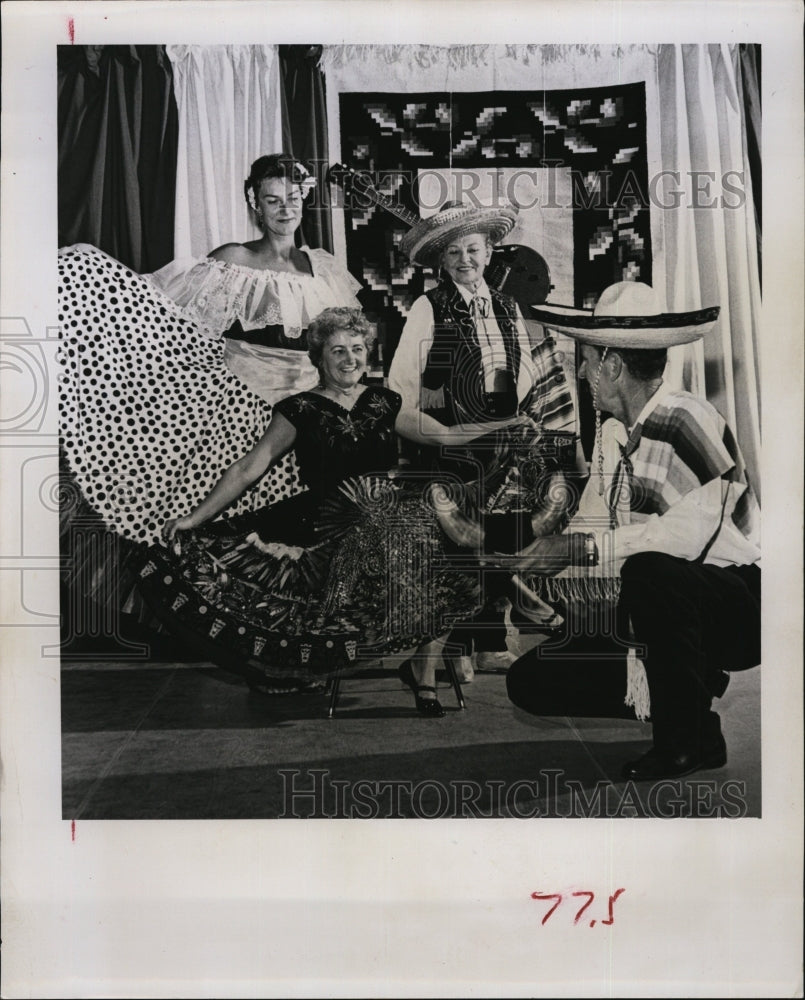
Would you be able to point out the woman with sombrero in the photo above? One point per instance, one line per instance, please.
(669, 515)
(464, 358)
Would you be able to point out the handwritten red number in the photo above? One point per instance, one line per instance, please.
(592, 897)
(612, 899)
(548, 895)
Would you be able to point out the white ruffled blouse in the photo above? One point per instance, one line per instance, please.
(214, 294)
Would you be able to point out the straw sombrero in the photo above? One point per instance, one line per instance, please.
(627, 315)
(423, 244)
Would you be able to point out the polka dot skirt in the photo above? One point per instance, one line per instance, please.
(150, 416)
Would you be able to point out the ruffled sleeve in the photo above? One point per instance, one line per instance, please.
(302, 297)
(214, 294)
(209, 293)
(337, 278)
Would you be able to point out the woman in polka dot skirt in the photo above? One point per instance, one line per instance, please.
(168, 378)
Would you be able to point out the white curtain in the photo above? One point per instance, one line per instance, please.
(694, 122)
(709, 239)
(229, 104)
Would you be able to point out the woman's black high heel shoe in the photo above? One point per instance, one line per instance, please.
(429, 707)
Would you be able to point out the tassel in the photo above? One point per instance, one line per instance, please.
(637, 694)
(598, 438)
(579, 587)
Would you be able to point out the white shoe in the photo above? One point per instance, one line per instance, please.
(497, 661)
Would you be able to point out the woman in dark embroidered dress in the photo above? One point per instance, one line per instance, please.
(356, 565)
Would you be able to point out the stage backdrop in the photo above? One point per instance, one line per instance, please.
(417, 145)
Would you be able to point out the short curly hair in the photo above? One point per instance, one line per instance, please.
(276, 165)
(338, 319)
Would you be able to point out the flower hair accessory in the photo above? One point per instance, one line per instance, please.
(277, 165)
(302, 176)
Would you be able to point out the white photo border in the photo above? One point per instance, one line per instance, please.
(252, 908)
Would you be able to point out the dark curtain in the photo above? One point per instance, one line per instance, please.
(118, 137)
(750, 80)
(304, 133)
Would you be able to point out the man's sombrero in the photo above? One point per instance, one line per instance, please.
(423, 244)
(627, 315)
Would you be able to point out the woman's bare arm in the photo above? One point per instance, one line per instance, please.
(279, 437)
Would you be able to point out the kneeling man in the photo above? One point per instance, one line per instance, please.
(674, 523)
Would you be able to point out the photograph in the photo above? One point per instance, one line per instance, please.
(388, 416)
(344, 527)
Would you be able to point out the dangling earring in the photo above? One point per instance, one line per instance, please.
(255, 211)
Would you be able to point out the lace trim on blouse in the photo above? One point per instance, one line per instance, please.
(213, 294)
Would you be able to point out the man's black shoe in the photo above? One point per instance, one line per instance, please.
(655, 765)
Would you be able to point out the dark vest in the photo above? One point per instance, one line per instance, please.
(454, 359)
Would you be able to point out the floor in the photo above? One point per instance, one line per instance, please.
(175, 740)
